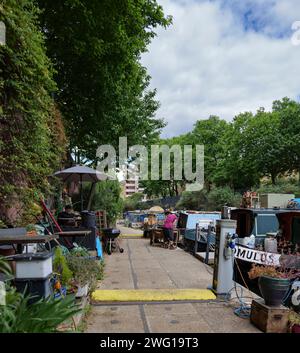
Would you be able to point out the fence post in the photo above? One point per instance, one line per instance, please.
(207, 244)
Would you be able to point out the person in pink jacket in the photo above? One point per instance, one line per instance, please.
(169, 227)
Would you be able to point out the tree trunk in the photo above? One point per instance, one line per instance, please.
(91, 195)
(273, 178)
(176, 189)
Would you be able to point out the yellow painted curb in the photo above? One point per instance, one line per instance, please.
(136, 295)
(131, 235)
(128, 236)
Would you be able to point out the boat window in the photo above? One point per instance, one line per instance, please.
(296, 230)
(243, 225)
(182, 220)
(265, 223)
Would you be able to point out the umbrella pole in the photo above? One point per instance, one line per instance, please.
(91, 195)
(81, 193)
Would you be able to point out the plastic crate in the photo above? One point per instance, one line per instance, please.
(33, 265)
(40, 288)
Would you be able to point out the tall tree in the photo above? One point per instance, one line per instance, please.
(234, 169)
(95, 47)
(289, 117)
(211, 133)
(264, 144)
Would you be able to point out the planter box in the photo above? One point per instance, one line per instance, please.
(38, 265)
(269, 319)
(82, 291)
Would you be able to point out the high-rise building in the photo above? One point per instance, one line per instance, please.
(131, 185)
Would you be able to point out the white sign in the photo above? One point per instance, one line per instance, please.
(256, 256)
(2, 33)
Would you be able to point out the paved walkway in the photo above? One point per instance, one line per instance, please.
(144, 267)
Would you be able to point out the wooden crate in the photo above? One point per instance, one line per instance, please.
(269, 319)
(101, 219)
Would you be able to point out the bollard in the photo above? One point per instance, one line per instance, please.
(224, 257)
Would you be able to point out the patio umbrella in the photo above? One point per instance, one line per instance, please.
(156, 209)
(80, 173)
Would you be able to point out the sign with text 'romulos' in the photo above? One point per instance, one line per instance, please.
(256, 256)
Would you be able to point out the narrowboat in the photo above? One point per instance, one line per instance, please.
(186, 224)
(256, 221)
(283, 224)
(135, 219)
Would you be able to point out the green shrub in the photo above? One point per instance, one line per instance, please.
(79, 251)
(196, 200)
(132, 202)
(282, 186)
(85, 270)
(17, 316)
(106, 197)
(220, 196)
(60, 266)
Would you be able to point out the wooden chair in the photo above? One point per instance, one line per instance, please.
(157, 237)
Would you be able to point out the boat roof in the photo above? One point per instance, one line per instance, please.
(200, 212)
(263, 210)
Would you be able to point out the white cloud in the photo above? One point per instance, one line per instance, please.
(206, 63)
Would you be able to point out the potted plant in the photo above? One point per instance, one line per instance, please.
(294, 320)
(86, 271)
(31, 230)
(81, 274)
(273, 282)
(80, 252)
(61, 269)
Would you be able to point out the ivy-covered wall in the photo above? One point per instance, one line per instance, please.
(32, 139)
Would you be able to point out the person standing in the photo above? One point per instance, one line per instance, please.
(168, 228)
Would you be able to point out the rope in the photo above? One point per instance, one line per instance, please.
(243, 310)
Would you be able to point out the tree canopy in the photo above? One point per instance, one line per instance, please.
(95, 47)
(241, 152)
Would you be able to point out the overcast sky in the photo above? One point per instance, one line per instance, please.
(222, 57)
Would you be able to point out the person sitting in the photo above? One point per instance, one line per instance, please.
(149, 224)
(67, 217)
(168, 228)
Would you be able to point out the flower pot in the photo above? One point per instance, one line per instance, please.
(60, 294)
(273, 290)
(82, 291)
(296, 328)
(32, 233)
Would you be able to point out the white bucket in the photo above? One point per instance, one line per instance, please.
(271, 245)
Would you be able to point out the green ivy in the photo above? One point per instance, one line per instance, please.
(30, 149)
